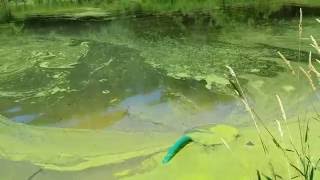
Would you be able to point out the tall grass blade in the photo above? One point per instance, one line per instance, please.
(287, 62)
(311, 174)
(308, 76)
(297, 169)
(258, 175)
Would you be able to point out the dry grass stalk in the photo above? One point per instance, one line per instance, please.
(237, 87)
(279, 128)
(300, 33)
(283, 113)
(284, 116)
(318, 20)
(286, 62)
(300, 23)
(244, 99)
(309, 78)
(311, 67)
(226, 144)
(315, 44)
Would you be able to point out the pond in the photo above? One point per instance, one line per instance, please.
(149, 74)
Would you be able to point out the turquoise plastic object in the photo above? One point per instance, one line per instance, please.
(173, 150)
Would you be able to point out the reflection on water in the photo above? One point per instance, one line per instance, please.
(13, 109)
(25, 118)
(117, 83)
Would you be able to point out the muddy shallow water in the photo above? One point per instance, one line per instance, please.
(150, 74)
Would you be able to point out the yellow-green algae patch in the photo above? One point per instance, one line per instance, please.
(238, 159)
(215, 134)
(71, 149)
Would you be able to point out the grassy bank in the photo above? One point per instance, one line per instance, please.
(5, 11)
(22, 9)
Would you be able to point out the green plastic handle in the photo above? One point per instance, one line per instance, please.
(174, 149)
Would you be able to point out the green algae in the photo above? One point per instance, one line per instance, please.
(27, 62)
(185, 57)
(181, 70)
(239, 159)
(44, 67)
(180, 53)
(214, 135)
(73, 150)
(203, 62)
(68, 151)
(63, 66)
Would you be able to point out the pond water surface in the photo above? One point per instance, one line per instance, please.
(149, 74)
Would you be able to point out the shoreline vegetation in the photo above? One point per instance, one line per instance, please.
(20, 10)
(5, 11)
(298, 157)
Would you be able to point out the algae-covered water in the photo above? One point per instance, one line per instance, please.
(105, 99)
